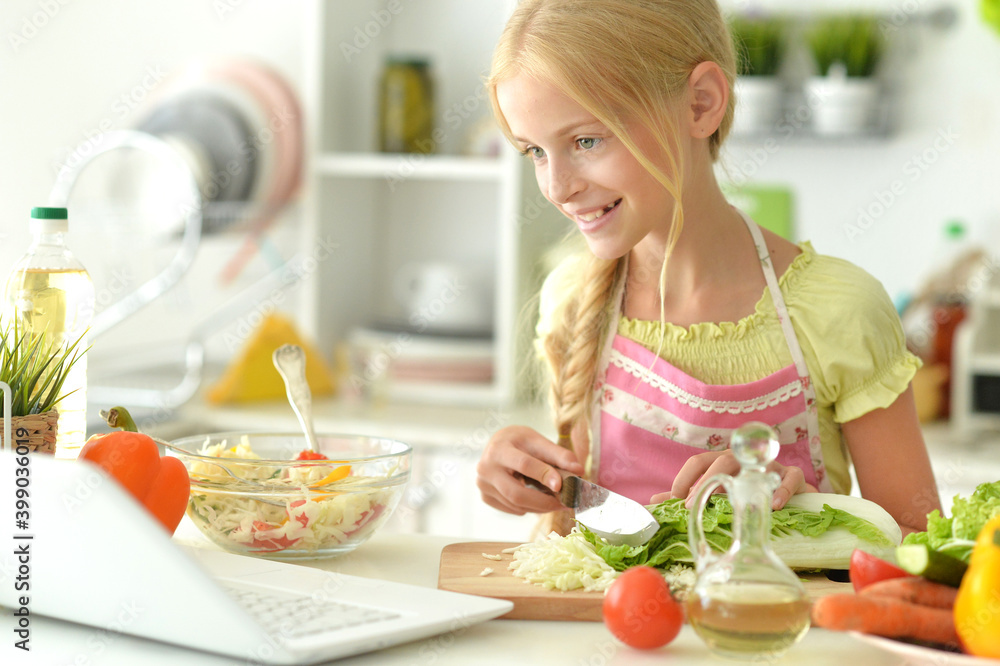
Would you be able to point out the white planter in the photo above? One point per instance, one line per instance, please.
(759, 102)
(842, 105)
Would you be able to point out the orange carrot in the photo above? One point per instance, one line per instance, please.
(885, 616)
(914, 590)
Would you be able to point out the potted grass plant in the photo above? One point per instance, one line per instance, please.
(35, 370)
(845, 93)
(760, 43)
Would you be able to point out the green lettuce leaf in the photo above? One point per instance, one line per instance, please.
(957, 535)
(669, 545)
(969, 515)
(857, 526)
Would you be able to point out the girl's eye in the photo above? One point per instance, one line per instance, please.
(534, 152)
(588, 143)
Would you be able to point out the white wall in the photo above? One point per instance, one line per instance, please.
(70, 69)
(84, 65)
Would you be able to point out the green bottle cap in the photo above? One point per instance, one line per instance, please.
(47, 213)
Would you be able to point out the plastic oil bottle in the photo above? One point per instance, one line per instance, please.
(49, 290)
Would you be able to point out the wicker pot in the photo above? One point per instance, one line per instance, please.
(36, 431)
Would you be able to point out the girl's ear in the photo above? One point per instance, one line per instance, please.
(708, 96)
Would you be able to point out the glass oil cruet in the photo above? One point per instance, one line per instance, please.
(746, 603)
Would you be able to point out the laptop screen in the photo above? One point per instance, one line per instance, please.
(82, 549)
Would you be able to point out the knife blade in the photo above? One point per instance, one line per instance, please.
(613, 517)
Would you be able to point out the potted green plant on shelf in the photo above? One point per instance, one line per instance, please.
(760, 43)
(845, 93)
(35, 373)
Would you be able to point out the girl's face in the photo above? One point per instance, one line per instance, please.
(583, 169)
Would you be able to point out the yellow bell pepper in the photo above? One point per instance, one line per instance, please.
(334, 476)
(977, 607)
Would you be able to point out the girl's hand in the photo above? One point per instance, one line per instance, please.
(704, 466)
(515, 452)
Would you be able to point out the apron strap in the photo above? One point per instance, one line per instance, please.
(812, 416)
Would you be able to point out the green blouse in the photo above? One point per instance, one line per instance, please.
(848, 329)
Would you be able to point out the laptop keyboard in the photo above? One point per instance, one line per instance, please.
(305, 615)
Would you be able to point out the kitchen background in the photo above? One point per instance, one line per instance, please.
(72, 71)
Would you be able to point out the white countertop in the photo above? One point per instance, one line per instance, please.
(961, 460)
(960, 463)
(414, 559)
(422, 425)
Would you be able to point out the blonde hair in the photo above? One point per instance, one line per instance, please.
(627, 62)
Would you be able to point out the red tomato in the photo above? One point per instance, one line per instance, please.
(867, 569)
(309, 454)
(639, 610)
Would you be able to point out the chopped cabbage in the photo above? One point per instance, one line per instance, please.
(562, 563)
(295, 517)
(571, 563)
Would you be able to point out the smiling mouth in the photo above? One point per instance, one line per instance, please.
(590, 217)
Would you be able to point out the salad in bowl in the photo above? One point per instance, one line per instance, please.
(265, 494)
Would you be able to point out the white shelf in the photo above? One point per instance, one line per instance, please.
(988, 298)
(388, 211)
(938, 15)
(980, 363)
(406, 166)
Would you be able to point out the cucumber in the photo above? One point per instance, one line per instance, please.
(921, 560)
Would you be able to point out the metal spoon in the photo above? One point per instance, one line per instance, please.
(290, 361)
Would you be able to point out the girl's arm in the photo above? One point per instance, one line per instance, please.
(891, 462)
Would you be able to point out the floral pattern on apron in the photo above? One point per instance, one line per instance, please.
(650, 416)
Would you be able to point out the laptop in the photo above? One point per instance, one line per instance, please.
(88, 553)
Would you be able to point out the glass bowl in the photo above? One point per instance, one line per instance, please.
(250, 495)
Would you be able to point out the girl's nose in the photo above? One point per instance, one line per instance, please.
(563, 184)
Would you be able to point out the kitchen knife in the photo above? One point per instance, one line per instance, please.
(613, 517)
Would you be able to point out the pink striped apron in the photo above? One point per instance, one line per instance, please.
(650, 416)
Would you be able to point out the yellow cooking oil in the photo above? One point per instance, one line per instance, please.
(748, 618)
(59, 302)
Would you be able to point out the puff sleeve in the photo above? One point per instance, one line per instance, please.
(858, 347)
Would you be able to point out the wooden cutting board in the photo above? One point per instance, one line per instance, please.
(462, 564)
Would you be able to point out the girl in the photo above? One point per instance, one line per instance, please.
(684, 319)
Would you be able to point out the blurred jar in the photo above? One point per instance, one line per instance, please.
(406, 107)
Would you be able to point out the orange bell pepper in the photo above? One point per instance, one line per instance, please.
(161, 484)
(977, 607)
